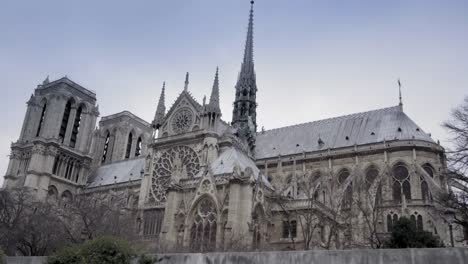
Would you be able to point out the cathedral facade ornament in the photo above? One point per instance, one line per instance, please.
(182, 120)
(172, 165)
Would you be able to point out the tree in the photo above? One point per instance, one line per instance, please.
(88, 216)
(457, 157)
(405, 235)
(28, 226)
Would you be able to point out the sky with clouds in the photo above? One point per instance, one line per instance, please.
(314, 59)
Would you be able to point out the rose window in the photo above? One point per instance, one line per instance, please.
(181, 162)
(182, 121)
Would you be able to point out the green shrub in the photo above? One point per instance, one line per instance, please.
(2, 254)
(405, 235)
(144, 259)
(107, 249)
(102, 250)
(67, 255)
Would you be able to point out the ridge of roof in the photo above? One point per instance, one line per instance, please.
(354, 115)
(73, 84)
(125, 113)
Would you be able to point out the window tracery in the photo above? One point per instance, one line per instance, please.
(401, 182)
(203, 230)
(348, 193)
(177, 162)
(182, 121)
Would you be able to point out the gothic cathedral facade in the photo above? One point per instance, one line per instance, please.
(200, 183)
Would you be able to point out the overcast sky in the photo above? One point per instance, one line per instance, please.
(314, 59)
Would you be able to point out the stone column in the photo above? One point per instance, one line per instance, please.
(240, 212)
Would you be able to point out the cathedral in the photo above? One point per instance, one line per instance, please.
(202, 183)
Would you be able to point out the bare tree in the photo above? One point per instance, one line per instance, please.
(28, 227)
(457, 157)
(90, 215)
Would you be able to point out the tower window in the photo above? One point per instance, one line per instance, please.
(129, 145)
(41, 120)
(76, 127)
(106, 148)
(66, 116)
(138, 147)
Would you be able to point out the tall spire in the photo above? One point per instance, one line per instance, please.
(399, 92)
(248, 62)
(244, 116)
(214, 98)
(160, 110)
(186, 81)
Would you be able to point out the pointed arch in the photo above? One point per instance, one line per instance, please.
(203, 226)
(139, 146)
(128, 150)
(106, 147)
(347, 198)
(401, 181)
(258, 226)
(76, 124)
(65, 118)
(42, 117)
(372, 172)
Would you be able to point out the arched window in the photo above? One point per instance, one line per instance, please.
(429, 170)
(401, 182)
(257, 226)
(425, 194)
(67, 197)
(66, 116)
(106, 147)
(348, 193)
(41, 120)
(138, 147)
(203, 230)
(424, 191)
(371, 175)
(289, 229)
(76, 126)
(391, 221)
(419, 224)
(52, 194)
(316, 176)
(129, 145)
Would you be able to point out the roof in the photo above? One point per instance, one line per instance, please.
(345, 131)
(118, 172)
(70, 83)
(125, 113)
(231, 157)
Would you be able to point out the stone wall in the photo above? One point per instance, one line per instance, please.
(384, 256)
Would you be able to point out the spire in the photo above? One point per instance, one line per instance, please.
(399, 91)
(248, 62)
(161, 109)
(244, 116)
(186, 82)
(46, 81)
(214, 98)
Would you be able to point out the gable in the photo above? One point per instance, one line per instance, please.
(183, 116)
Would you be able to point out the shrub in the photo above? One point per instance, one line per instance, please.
(67, 255)
(144, 259)
(405, 235)
(107, 249)
(2, 254)
(102, 250)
